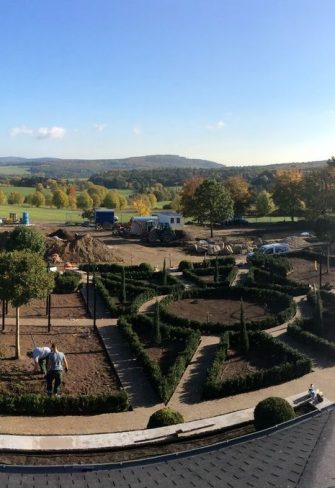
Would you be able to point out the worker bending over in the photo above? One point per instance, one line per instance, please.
(39, 356)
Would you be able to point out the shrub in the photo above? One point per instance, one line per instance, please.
(68, 282)
(272, 411)
(163, 417)
(145, 267)
(185, 265)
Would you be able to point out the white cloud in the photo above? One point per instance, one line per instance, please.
(100, 127)
(50, 133)
(137, 131)
(16, 131)
(40, 133)
(216, 125)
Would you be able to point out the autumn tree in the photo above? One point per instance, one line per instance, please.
(187, 194)
(264, 203)
(15, 198)
(38, 199)
(60, 198)
(240, 193)
(319, 192)
(84, 201)
(288, 192)
(24, 276)
(142, 205)
(112, 199)
(212, 203)
(3, 198)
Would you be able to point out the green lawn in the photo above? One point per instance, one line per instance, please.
(269, 219)
(23, 190)
(42, 214)
(14, 170)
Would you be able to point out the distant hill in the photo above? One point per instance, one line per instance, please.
(84, 168)
(56, 167)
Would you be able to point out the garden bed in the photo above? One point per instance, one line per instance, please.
(304, 271)
(89, 369)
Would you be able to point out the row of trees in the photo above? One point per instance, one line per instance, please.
(293, 193)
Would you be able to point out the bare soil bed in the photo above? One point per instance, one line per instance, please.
(223, 311)
(237, 365)
(305, 271)
(165, 354)
(89, 369)
(67, 305)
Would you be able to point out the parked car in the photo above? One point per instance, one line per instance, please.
(270, 249)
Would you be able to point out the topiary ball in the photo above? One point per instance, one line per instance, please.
(185, 265)
(272, 411)
(163, 417)
(145, 267)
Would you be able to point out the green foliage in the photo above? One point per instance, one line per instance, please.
(84, 201)
(68, 282)
(123, 294)
(217, 272)
(264, 203)
(273, 264)
(261, 278)
(185, 265)
(301, 330)
(60, 199)
(272, 299)
(287, 364)
(24, 276)
(26, 239)
(212, 203)
(42, 405)
(157, 325)
(318, 313)
(324, 227)
(244, 340)
(163, 417)
(272, 411)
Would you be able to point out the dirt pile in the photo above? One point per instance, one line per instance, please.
(80, 249)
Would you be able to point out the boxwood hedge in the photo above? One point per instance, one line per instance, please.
(269, 297)
(261, 278)
(287, 365)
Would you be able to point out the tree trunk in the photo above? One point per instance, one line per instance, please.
(3, 315)
(211, 229)
(17, 337)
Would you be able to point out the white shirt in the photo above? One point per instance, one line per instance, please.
(40, 353)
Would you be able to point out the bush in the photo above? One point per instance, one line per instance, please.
(185, 265)
(145, 267)
(163, 417)
(68, 282)
(272, 411)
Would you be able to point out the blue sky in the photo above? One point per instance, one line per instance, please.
(233, 81)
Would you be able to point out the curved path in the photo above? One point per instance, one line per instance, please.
(125, 364)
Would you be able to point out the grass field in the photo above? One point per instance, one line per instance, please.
(14, 170)
(52, 215)
(23, 190)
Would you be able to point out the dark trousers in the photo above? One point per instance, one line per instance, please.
(54, 380)
(43, 365)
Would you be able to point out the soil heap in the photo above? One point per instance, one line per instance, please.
(77, 249)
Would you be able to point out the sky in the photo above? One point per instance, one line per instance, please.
(232, 81)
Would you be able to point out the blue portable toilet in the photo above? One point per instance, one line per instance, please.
(25, 218)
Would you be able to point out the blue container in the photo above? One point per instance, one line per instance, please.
(25, 218)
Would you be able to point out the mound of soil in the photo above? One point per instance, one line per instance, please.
(82, 249)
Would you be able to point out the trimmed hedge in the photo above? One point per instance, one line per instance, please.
(274, 264)
(289, 364)
(115, 268)
(42, 405)
(272, 411)
(68, 282)
(269, 297)
(259, 278)
(227, 276)
(297, 331)
(163, 417)
(163, 384)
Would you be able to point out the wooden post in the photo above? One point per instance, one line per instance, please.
(17, 334)
(3, 314)
(320, 276)
(49, 312)
(87, 289)
(94, 303)
(327, 258)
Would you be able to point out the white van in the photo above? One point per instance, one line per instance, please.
(271, 249)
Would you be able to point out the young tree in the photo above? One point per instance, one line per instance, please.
(288, 192)
(84, 201)
(142, 205)
(239, 190)
(216, 272)
(244, 337)
(164, 273)
(26, 239)
(38, 199)
(23, 277)
(212, 203)
(15, 198)
(157, 326)
(60, 199)
(112, 199)
(264, 203)
(3, 198)
(123, 294)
